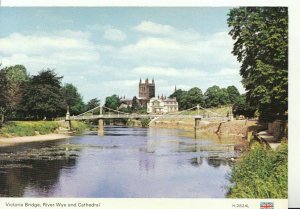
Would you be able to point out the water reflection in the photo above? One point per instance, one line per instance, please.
(35, 167)
(125, 162)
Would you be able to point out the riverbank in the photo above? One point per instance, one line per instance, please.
(15, 132)
(239, 128)
(27, 139)
(261, 173)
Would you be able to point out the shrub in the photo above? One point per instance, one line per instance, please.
(261, 174)
(145, 122)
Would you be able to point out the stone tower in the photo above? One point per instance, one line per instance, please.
(147, 89)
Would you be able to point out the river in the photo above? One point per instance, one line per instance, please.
(125, 162)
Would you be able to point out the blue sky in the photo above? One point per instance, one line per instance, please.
(105, 51)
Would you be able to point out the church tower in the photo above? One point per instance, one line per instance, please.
(147, 89)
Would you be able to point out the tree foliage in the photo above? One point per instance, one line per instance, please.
(191, 98)
(261, 46)
(215, 96)
(233, 94)
(73, 99)
(95, 102)
(112, 102)
(42, 96)
(135, 104)
(11, 81)
(241, 107)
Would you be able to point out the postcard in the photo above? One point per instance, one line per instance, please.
(144, 107)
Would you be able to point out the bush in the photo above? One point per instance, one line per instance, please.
(261, 174)
(145, 122)
(79, 126)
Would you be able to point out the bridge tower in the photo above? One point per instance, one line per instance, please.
(68, 120)
(197, 121)
(100, 127)
(100, 122)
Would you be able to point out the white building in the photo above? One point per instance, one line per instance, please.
(161, 105)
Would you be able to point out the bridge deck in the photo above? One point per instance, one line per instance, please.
(132, 116)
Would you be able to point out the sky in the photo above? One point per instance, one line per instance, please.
(105, 50)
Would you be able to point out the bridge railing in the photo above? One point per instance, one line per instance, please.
(90, 117)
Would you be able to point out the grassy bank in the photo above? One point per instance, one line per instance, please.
(79, 127)
(32, 128)
(261, 173)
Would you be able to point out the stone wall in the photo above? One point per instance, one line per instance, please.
(278, 129)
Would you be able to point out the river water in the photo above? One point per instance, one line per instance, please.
(125, 162)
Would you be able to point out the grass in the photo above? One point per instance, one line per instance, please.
(32, 128)
(28, 128)
(261, 173)
(219, 110)
(79, 127)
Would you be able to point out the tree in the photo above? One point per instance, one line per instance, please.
(223, 97)
(241, 107)
(215, 96)
(212, 96)
(42, 96)
(95, 102)
(179, 94)
(112, 102)
(11, 81)
(261, 46)
(233, 94)
(72, 99)
(191, 98)
(135, 104)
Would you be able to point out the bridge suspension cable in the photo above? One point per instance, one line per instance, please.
(89, 111)
(116, 110)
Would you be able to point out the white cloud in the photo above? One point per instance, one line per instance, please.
(199, 50)
(149, 71)
(228, 72)
(39, 50)
(153, 28)
(170, 55)
(114, 34)
(109, 32)
(41, 43)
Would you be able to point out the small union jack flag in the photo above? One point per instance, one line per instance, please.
(266, 205)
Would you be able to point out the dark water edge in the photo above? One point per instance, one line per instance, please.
(125, 162)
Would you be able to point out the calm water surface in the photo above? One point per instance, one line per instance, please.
(125, 162)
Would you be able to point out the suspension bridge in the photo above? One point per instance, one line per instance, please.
(102, 112)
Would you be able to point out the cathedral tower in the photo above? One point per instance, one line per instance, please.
(147, 89)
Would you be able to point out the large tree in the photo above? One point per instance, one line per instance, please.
(112, 102)
(135, 104)
(241, 107)
(261, 46)
(73, 99)
(215, 96)
(11, 81)
(233, 94)
(179, 94)
(191, 98)
(95, 102)
(42, 96)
